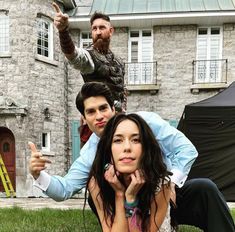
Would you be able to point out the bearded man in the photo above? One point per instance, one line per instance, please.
(97, 62)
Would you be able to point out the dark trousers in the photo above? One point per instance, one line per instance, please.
(201, 204)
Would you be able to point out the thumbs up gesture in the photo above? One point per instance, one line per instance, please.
(37, 162)
(61, 21)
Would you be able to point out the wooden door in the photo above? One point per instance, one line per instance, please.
(7, 150)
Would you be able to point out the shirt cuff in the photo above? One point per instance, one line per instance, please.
(178, 177)
(43, 181)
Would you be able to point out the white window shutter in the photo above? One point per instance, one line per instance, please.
(202, 48)
(215, 47)
(147, 66)
(140, 68)
(209, 53)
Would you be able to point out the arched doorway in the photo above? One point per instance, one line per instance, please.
(7, 150)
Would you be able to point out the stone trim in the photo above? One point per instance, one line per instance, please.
(46, 60)
(153, 89)
(13, 111)
(47, 153)
(195, 88)
(5, 55)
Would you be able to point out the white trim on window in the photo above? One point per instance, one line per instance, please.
(209, 54)
(85, 39)
(140, 56)
(45, 37)
(46, 141)
(4, 33)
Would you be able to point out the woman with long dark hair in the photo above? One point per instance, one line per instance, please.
(129, 183)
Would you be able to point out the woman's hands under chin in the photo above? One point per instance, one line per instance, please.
(136, 182)
(112, 178)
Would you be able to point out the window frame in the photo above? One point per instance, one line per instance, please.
(137, 68)
(6, 147)
(208, 36)
(88, 40)
(50, 47)
(47, 147)
(6, 37)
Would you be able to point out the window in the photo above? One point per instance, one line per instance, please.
(209, 55)
(86, 39)
(45, 37)
(140, 66)
(6, 147)
(45, 141)
(4, 32)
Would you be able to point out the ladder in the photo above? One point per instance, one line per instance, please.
(6, 180)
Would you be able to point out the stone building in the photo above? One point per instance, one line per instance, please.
(34, 90)
(175, 53)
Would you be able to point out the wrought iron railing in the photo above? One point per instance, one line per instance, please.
(141, 73)
(210, 71)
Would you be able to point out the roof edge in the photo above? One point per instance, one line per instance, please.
(157, 15)
(68, 4)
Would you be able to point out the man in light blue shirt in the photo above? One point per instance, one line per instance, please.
(198, 201)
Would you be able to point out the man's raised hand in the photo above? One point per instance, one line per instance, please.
(37, 162)
(61, 21)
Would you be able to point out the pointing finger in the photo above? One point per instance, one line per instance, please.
(32, 147)
(56, 7)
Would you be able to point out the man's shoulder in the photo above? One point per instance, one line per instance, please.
(151, 118)
(147, 114)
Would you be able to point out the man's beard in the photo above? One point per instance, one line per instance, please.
(102, 45)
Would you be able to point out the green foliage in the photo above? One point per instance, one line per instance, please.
(53, 220)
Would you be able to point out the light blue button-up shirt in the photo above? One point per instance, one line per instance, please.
(178, 153)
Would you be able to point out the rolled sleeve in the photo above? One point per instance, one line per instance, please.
(83, 61)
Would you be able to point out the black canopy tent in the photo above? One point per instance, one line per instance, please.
(210, 125)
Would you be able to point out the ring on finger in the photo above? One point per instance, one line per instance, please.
(106, 166)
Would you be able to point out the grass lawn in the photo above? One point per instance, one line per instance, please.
(53, 220)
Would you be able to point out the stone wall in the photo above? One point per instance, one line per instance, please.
(36, 84)
(229, 49)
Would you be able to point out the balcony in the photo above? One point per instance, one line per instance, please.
(141, 76)
(209, 74)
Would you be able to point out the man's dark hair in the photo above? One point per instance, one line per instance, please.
(99, 15)
(93, 89)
